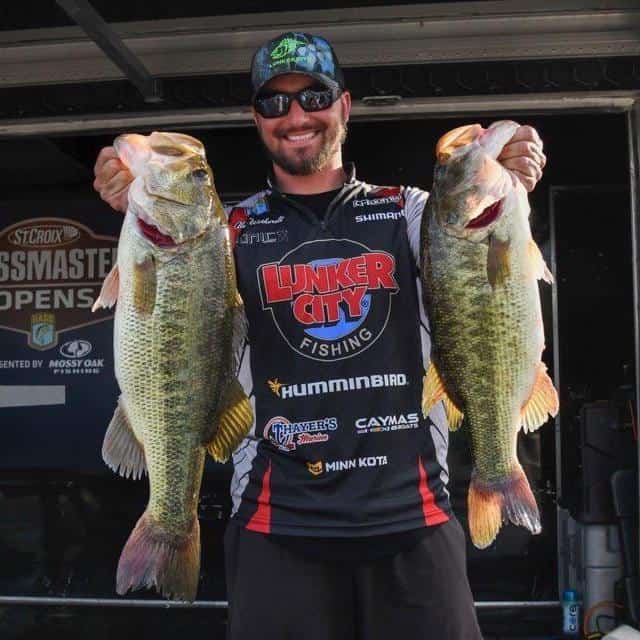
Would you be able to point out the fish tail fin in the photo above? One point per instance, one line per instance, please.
(234, 422)
(542, 402)
(432, 392)
(153, 557)
(492, 503)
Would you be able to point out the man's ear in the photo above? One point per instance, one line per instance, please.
(345, 99)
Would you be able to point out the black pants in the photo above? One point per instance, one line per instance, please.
(416, 594)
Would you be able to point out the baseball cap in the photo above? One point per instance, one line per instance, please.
(295, 52)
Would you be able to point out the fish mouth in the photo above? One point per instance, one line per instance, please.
(154, 235)
(489, 215)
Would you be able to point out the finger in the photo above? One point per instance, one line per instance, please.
(527, 181)
(524, 148)
(527, 132)
(544, 160)
(116, 184)
(106, 154)
(109, 170)
(119, 200)
(524, 165)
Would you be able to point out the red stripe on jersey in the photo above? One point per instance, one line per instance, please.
(261, 519)
(433, 514)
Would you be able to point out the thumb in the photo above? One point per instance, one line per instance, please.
(497, 136)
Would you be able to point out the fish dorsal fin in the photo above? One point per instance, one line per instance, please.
(109, 292)
(542, 402)
(498, 262)
(537, 264)
(432, 392)
(121, 450)
(234, 420)
(144, 286)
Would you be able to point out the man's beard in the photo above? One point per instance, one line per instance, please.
(303, 165)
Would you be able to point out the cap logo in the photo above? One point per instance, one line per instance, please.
(285, 48)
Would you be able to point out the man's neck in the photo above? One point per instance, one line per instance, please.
(328, 179)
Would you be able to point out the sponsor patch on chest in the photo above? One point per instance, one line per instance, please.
(329, 299)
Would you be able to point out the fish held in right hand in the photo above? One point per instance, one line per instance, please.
(480, 270)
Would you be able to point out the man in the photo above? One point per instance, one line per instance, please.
(341, 527)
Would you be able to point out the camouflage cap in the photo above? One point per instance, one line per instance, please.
(295, 52)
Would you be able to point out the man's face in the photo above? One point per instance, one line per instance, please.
(299, 142)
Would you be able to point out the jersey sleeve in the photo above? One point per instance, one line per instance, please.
(414, 203)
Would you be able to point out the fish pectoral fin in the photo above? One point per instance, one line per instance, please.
(144, 286)
(121, 450)
(498, 262)
(233, 422)
(537, 264)
(109, 292)
(542, 402)
(454, 415)
(433, 391)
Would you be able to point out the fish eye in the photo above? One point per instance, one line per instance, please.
(200, 174)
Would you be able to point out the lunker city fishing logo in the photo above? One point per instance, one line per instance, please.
(329, 308)
(51, 271)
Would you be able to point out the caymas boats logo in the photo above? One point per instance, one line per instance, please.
(332, 308)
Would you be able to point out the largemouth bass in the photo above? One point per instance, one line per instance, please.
(178, 322)
(480, 268)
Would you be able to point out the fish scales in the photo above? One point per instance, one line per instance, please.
(166, 353)
(480, 268)
(177, 326)
(469, 324)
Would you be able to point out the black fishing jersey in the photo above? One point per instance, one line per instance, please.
(334, 362)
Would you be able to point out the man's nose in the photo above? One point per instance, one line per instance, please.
(297, 115)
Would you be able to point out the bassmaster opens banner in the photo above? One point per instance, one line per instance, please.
(51, 271)
(57, 385)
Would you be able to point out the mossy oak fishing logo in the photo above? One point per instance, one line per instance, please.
(51, 271)
(286, 51)
(329, 308)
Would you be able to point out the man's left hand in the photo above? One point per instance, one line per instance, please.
(524, 157)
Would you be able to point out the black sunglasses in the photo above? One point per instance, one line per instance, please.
(276, 105)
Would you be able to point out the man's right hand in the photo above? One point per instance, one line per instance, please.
(112, 179)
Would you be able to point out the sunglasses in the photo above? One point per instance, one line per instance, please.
(276, 105)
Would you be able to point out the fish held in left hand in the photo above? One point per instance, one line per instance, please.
(480, 269)
(179, 323)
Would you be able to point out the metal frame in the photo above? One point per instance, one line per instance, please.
(211, 604)
(567, 528)
(474, 106)
(627, 103)
(112, 45)
(469, 31)
(380, 36)
(633, 132)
